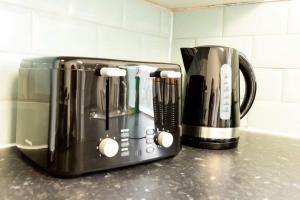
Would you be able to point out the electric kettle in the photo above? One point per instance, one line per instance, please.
(211, 108)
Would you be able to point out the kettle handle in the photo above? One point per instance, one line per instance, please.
(250, 86)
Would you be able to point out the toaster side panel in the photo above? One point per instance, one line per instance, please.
(33, 109)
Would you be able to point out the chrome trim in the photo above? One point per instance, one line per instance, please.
(210, 132)
(35, 147)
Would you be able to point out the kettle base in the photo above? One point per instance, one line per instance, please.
(215, 144)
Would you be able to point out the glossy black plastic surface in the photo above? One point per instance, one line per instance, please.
(203, 95)
(212, 95)
(66, 107)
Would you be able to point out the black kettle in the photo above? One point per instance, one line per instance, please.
(211, 108)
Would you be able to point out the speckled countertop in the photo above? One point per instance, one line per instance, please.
(262, 167)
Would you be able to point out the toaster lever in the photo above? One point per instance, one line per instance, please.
(112, 72)
(165, 74)
(170, 74)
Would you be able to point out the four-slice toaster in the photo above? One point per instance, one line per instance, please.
(78, 115)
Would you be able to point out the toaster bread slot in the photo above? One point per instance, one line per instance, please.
(113, 81)
(158, 102)
(165, 99)
(107, 104)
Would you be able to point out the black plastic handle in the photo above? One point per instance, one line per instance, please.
(250, 85)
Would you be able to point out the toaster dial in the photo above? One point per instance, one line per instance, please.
(108, 147)
(165, 139)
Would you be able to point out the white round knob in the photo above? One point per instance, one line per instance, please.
(165, 139)
(109, 147)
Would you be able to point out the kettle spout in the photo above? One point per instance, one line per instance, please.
(188, 55)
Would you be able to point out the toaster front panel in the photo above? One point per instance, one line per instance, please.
(106, 114)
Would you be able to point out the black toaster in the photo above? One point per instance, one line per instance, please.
(78, 115)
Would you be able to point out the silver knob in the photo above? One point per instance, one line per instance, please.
(109, 147)
(165, 139)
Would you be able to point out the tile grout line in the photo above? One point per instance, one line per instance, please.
(244, 36)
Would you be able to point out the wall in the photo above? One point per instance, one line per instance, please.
(122, 29)
(269, 34)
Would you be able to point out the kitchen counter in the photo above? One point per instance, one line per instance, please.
(262, 167)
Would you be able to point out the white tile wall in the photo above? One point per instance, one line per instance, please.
(120, 29)
(294, 16)
(269, 34)
(276, 116)
(10, 88)
(7, 121)
(155, 48)
(15, 23)
(141, 16)
(113, 41)
(176, 45)
(204, 23)
(281, 51)
(54, 6)
(255, 19)
(62, 36)
(291, 84)
(166, 23)
(104, 11)
(269, 83)
(244, 121)
(9, 65)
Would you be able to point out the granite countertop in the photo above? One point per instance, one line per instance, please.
(262, 167)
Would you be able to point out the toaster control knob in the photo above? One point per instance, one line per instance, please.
(165, 139)
(109, 147)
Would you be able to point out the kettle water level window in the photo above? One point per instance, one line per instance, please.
(225, 105)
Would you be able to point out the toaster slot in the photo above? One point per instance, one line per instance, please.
(158, 102)
(113, 78)
(171, 104)
(107, 104)
(165, 99)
